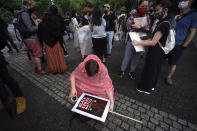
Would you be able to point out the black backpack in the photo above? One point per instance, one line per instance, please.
(20, 26)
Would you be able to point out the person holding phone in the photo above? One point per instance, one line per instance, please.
(130, 54)
(155, 55)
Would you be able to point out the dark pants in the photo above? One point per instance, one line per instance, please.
(100, 47)
(62, 45)
(11, 42)
(130, 56)
(10, 82)
(152, 68)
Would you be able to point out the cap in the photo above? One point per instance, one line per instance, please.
(107, 5)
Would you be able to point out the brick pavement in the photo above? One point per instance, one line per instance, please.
(57, 87)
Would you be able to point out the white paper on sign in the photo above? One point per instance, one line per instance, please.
(140, 20)
(136, 36)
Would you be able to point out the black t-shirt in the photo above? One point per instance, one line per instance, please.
(110, 25)
(84, 21)
(164, 28)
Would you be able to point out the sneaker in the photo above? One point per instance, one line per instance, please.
(65, 54)
(20, 105)
(132, 75)
(121, 74)
(145, 92)
(169, 81)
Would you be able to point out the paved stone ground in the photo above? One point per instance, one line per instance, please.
(43, 113)
(57, 87)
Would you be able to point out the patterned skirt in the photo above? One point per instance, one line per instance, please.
(55, 58)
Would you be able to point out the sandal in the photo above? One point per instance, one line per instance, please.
(41, 72)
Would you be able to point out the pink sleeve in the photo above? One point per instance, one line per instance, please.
(109, 85)
(73, 74)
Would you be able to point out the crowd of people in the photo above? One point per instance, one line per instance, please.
(94, 34)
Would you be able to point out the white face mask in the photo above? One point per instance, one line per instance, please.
(183, 4)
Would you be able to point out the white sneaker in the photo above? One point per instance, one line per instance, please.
(145, 92)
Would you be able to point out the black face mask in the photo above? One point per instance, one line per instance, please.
(159, 15)
(152, 17)
(31, 10)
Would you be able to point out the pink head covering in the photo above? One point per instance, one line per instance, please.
(97, 84)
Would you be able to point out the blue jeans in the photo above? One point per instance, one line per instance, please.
(110, 35)
(130, 56)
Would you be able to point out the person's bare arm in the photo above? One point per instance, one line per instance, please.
(111, 98)
(91, 27)
(116, 26)
(152, 42)
(190, 37)
(73, 92)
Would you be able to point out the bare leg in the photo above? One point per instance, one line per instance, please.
(104, 59)
(38, 63)
(171, 71)
(83, 49)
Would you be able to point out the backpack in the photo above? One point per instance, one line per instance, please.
(170, 42)
(20, 26)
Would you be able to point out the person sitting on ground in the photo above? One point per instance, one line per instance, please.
(91, 76)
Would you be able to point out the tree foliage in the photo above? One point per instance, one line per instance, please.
(78, 5)
(64, 6)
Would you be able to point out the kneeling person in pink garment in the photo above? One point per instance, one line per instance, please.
(91, 76)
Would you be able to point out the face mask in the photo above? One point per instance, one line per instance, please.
(183, 4)
(159, 15)
(152, 17)
(142, 10)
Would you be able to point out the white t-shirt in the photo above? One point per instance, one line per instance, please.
(75, 22)
(99, 31)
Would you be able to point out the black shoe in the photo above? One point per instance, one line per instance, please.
(65, 54)
(132, 75)
(108, 55)
(121, 74)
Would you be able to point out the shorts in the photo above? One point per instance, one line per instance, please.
(175, 54)
(34, 48)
